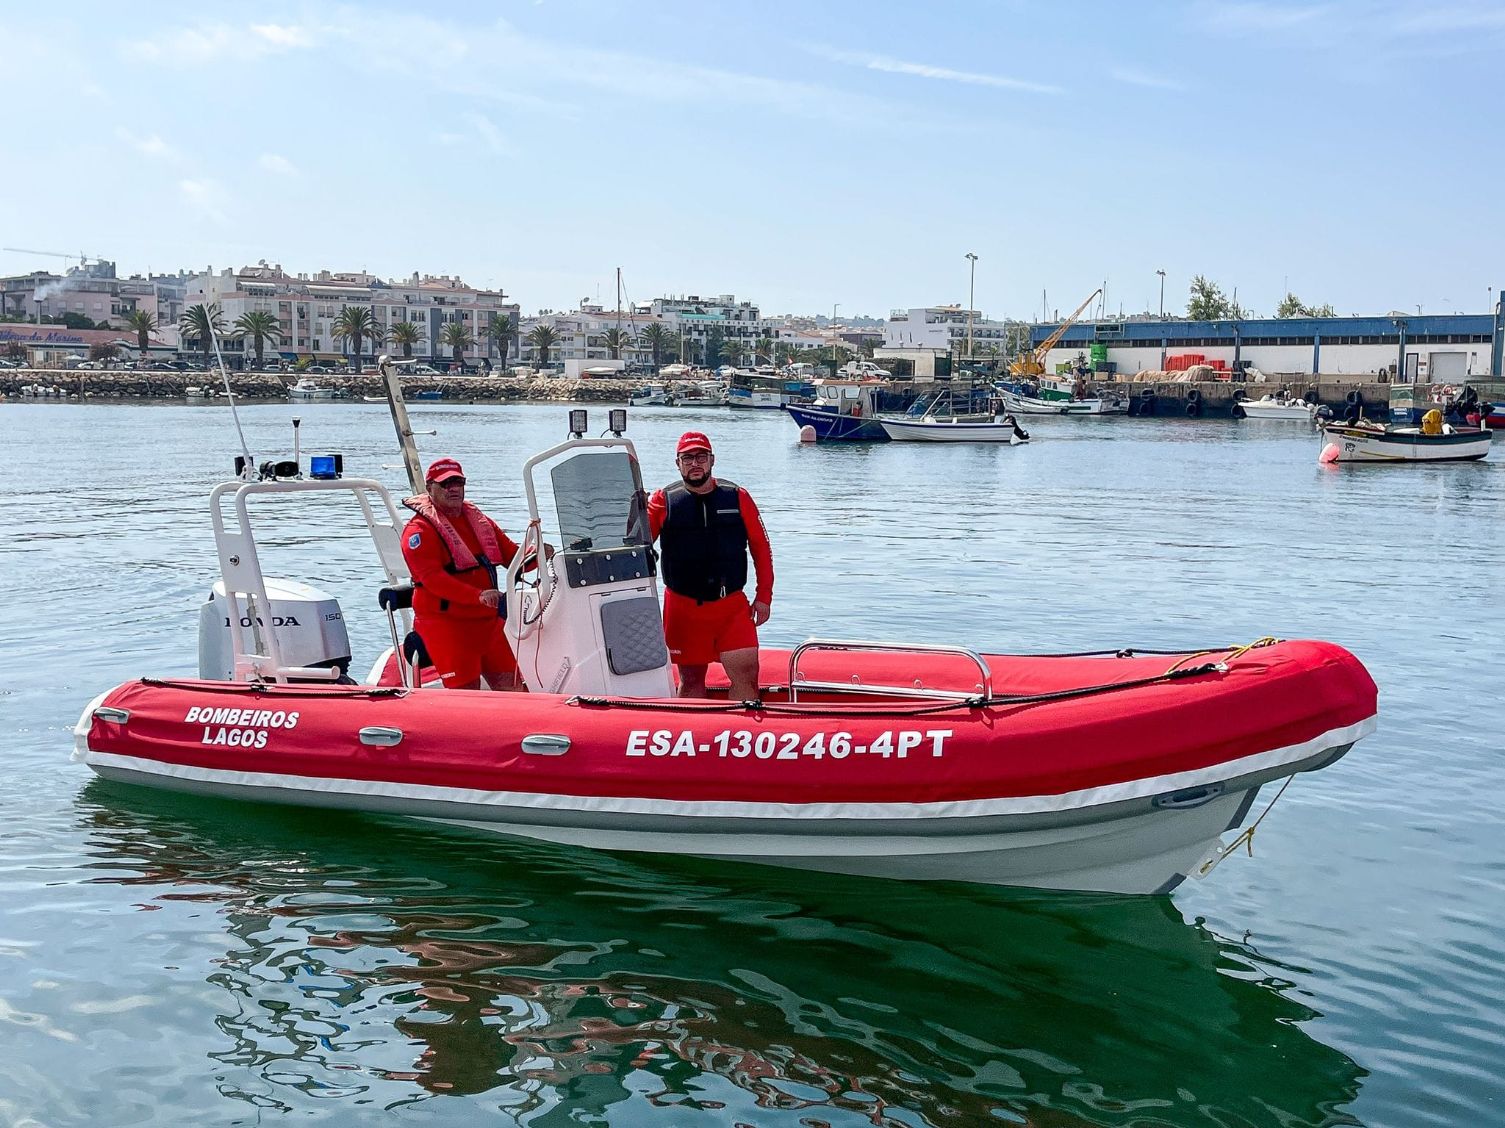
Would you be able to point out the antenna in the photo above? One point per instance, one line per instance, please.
(248, 466)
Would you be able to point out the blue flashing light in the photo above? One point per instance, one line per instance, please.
(324, 467)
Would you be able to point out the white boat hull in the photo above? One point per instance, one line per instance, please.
(1298, 411)
(1132, 846)
(1030, 405)
(937, 431)
(1357, 444)
(765, 400)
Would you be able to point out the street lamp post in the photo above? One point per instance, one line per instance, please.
(971, 290)
(1162, 293)
(834, 307)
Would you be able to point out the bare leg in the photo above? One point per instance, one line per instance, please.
(691, 681)
(741, 667)
(508, 682)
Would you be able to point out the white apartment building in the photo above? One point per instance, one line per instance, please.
(307, 307)
(691, 321)
(941, 327)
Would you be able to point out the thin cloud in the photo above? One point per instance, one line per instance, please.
(149, 146)
(1244, 17)
(278, 164)
(1145, 79)
(925, 70)
(1444, 21)
(206, 197)
(208, 43)
(493, 137)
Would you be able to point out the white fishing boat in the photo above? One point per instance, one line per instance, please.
(651, 395)
(1275, 407)
(1373, 442)
(307, 389)
(702, 393)
(931, 430)
(935, 420)
(1047, 395)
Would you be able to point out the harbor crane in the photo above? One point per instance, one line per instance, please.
(83, 259)
(1032, 363)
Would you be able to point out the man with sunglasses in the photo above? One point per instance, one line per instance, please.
(705, 529)
(454, 553)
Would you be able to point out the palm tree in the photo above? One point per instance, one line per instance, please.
(405, 333)
(355, 324)
(765, 349)
(261, 327)
(617, 340)
(202, 323)
(501, 329)
(731, 350)
(660, 340)
(543, 338)
(457, 336)
(143, 323)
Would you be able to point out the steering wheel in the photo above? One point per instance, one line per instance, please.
(525, 613)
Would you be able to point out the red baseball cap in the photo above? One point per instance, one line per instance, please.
(442, 468)
(692, 440)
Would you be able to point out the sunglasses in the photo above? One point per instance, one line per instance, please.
(444, 485)
(696, 456)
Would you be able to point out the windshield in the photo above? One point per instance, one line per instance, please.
(600, 501)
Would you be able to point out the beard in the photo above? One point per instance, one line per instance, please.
(697, 476)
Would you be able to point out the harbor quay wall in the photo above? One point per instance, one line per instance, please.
(1218, 397)
(171, 385)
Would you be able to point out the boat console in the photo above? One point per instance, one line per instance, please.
(584, 620)
(589, 622)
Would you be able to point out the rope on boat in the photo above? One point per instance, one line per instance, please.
(1232, 652)
(282, 689)
(1245, 839)
(978, 702)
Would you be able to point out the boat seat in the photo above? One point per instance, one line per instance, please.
(633, 631)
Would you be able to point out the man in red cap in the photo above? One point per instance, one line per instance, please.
(454, 553)
(705, 529)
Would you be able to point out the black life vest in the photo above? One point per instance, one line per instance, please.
(703, 542)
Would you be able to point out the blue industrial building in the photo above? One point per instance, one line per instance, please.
(1399, 347)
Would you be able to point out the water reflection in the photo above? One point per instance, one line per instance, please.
(392, 963)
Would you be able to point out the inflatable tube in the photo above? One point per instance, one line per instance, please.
(1238, 411)
(1146, 405)
(1193, 395)
(1311, 396)
(1193, 409)
(1240, 396)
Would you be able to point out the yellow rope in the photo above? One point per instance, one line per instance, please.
(1245, 839)
(1232, 652)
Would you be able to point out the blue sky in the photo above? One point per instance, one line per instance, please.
(796, 154)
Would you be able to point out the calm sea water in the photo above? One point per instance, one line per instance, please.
(172, 961)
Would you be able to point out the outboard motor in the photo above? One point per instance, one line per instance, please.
(309, 626)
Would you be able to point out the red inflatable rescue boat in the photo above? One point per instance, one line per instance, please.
(1116, 772)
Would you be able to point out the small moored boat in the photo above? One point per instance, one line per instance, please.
(1275, 407)
(1373, 442)
(308, 389)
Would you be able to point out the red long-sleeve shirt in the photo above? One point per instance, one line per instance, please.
(757, 537)
(427, 556)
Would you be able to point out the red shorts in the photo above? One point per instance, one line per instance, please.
(700, 633)
(464, 649)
